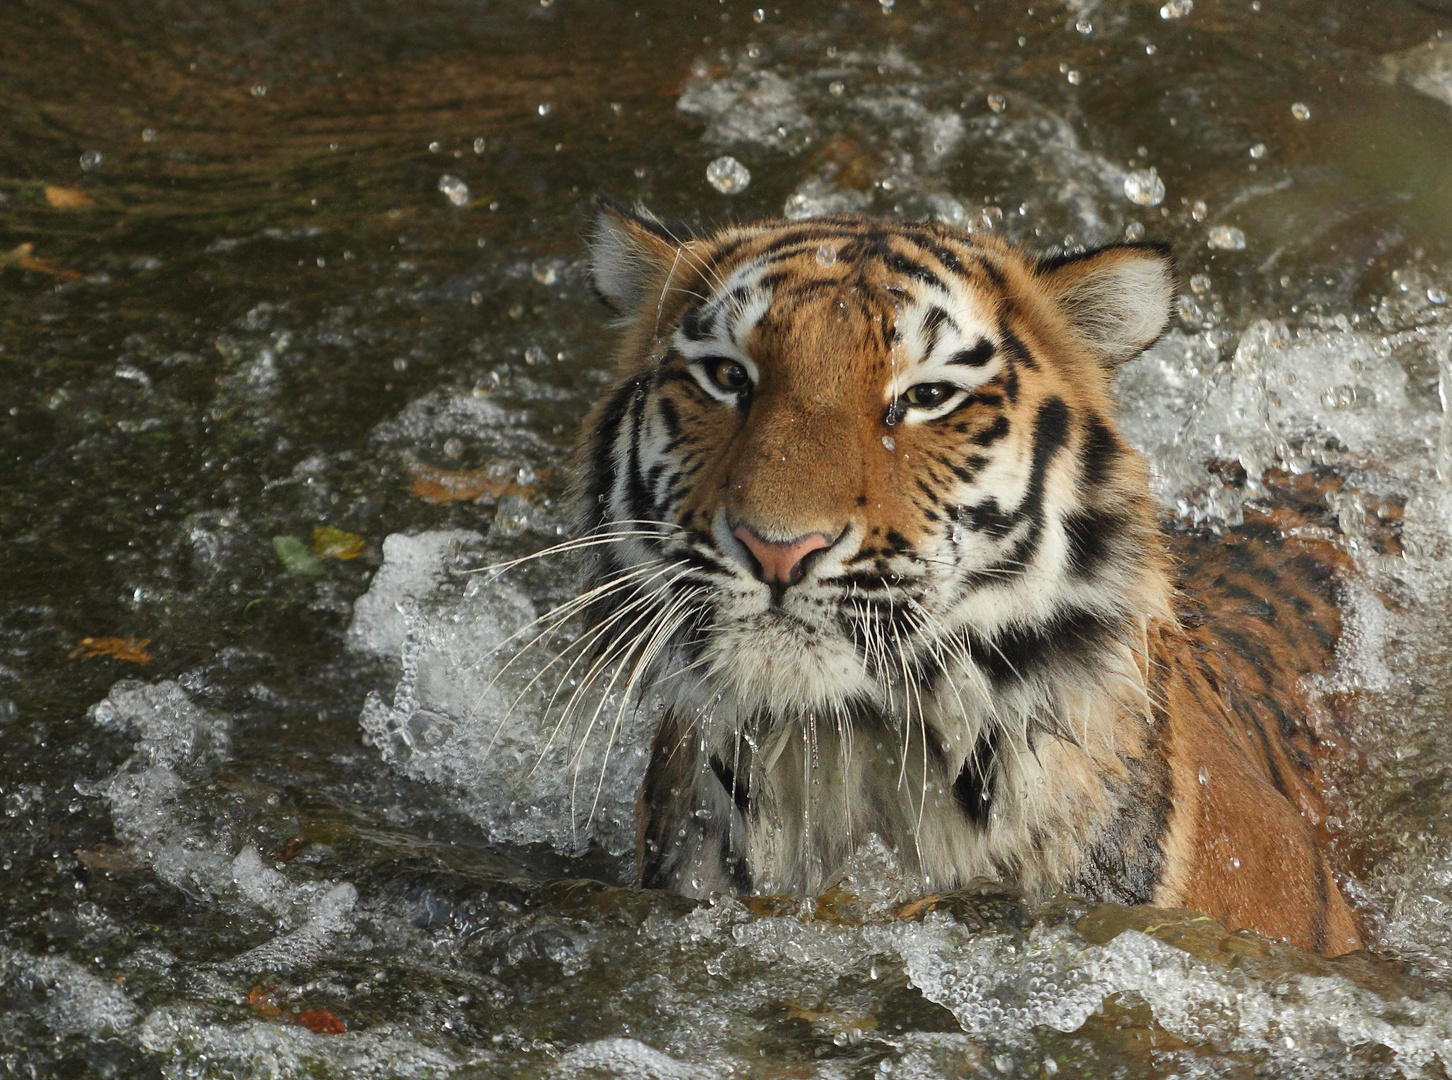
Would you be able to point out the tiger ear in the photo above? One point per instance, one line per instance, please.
(631, 250)
(1118, 298)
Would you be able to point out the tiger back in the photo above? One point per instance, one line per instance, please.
(861, 520)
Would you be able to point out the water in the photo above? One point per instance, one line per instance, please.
(305, 344)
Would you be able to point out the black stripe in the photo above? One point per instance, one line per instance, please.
(1092, 536)
(602, 475)
(976, 356)
(974, 789)
(1099, 451)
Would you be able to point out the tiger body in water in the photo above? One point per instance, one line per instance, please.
(860, 515)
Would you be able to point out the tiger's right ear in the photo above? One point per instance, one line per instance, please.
(631, 250)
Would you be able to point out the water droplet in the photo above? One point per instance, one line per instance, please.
(479, 145)
(1198, 210)
(148, 134)
(889, 442)
(1235, 864)
(1204, 777)
(259, 89)
(836, 88)
(545, 108)
(91, 160)
(887, 6)
(456, 190)
(1301, 111)
(1074, 77)
(759, 15)
(727, 175)
(1151, 49)
(1226, 238)
(1200, 283)
(1258, 151)
(997, 102)
(1084, 26)
(826, 255)
(1134, 231)
(1177, 9)
(1144, 186)
(1436, 295)
(435, 147)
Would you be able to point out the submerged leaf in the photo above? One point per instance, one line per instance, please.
(63, 198)
(130, 649)
(334, 543)
(441, 486)
(321, 1022)
(295, 556)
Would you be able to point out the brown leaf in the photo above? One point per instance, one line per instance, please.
(130, 649)
(320, 1022)
(108, 859)
(64, 198)
(334, 543)
(439, 486)
(918, 908)
(22, 257)
(264, 1001)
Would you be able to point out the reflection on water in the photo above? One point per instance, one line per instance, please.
(293, 331)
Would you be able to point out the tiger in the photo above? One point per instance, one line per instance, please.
(858, 517)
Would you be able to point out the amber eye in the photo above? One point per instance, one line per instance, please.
(728, 375)
(928, 395)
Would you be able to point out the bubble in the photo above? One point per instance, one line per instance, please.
(837, 88)
(545, 108)
(997, 102)
(1198, 210)
(91, 160)
(1084, 26)
(1074, 77)
(148, 134)
(435, 147)
(727, 175)
(1258, 151)
(1177, 9)
(1301, 111)
(759, 15)
(1226, 238)
(1144, 187)
(1200, 283)
(889, 442)
(887, 6)
(479, 145)
(456, 190)
(259, 89)
(1134, 231)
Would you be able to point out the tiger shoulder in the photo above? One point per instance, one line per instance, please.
(860, 515)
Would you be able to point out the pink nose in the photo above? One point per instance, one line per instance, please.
(780, 563)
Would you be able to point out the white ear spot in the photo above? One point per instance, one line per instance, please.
(617, 269)
(626, 252)
(1117, 299)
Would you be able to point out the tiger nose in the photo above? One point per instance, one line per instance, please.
(780, 562)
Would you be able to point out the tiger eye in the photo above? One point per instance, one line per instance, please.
(729, 375)
(927, 395)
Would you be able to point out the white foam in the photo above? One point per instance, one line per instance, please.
(468, 716)
(412, 569)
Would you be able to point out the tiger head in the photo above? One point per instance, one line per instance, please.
(844, 455)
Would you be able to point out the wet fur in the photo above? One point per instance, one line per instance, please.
(1001, 666)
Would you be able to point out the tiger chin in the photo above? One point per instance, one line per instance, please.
(858, 511)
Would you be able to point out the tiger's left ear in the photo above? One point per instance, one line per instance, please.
(1118, 298)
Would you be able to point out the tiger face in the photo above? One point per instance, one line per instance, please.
(846, 456)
